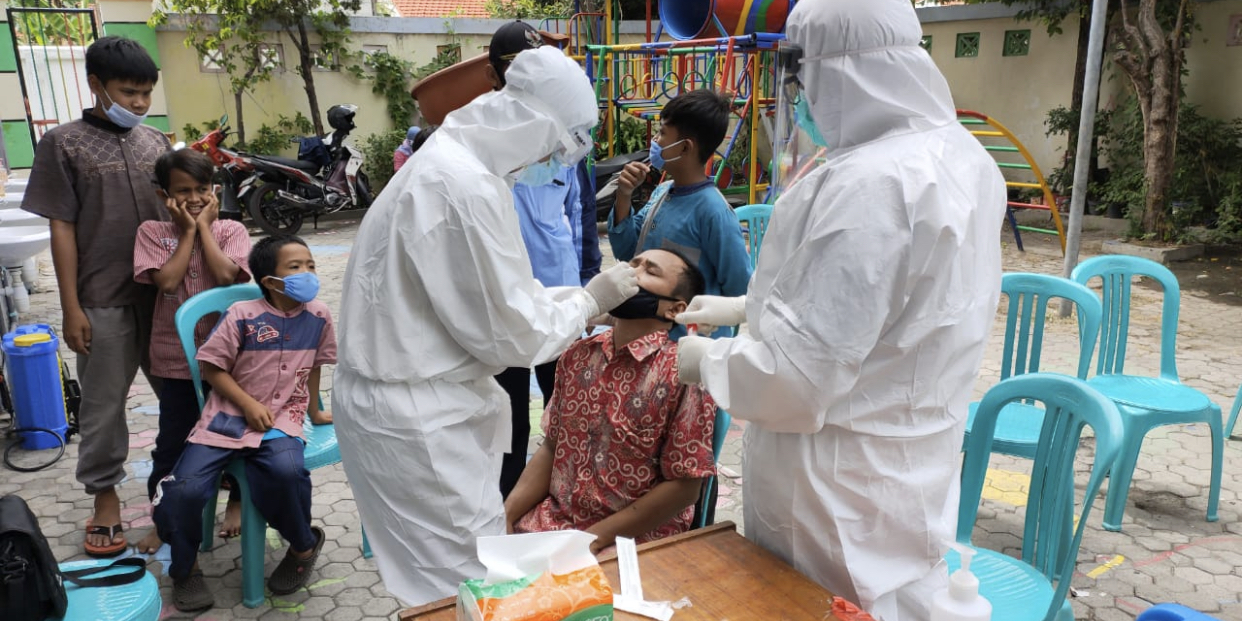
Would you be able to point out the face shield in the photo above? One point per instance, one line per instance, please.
(572, 146)
(797, 146)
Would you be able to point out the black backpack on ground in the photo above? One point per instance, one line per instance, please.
(31, 583)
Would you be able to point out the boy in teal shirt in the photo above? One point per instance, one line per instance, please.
(688, 214)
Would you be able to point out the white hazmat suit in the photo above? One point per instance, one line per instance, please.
(868, 314)
(438, 297)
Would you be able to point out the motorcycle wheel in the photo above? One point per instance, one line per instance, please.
(265, 209)
(364, 191)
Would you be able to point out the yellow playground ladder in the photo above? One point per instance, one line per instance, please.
(972, 120)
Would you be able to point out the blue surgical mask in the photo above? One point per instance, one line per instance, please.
(539, 173)
(120, 115)
(657, 153)
(802, 113)
(301, 287)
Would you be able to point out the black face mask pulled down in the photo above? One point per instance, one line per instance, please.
(644, 305)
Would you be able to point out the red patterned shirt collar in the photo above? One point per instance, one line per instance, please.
(640, 348)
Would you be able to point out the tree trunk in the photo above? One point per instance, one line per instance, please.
(1152, 58)
(306, 66)
(1080, 75)
(1160, 142)
(241, 121)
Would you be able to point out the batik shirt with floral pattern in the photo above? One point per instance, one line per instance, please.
(622, 424)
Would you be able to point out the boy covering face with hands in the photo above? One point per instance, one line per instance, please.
(193, 253)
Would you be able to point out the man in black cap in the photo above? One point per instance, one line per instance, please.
(557, 234)
(510, 39)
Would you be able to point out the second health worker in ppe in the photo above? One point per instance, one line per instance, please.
(438, 298)
(868, 315)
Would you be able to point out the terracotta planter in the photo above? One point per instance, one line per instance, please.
(453, 87)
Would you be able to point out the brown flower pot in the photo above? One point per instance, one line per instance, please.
(453, 87)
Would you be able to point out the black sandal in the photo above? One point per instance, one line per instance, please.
(191, 594)
(293, 573)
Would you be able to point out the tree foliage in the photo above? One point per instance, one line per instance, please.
(329, 21)
(231, 35)
(529, 9)
(235, 34)
(1050, 13)
(1147, 40)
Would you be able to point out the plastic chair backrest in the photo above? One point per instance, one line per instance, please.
(215, 300)
(1070, 404)
(755, 217)
(719, 431)
(1029, 295)
(1117, 273)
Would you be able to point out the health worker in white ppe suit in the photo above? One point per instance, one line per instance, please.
(439, 297)
(868, 312)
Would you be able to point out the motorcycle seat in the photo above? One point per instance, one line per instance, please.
(292, 163)
(613, 165)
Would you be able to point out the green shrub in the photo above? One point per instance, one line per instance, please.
(390, 77)
(632, 137)
(377, 157)
(191, 132)
(1207, 178)
(278, 140)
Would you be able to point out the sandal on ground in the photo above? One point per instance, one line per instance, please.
(191, 594)
(292, 573)
(111, 532)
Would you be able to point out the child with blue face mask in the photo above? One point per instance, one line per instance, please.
(263, 362)
(688, 214)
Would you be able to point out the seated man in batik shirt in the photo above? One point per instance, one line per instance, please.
(626, 446)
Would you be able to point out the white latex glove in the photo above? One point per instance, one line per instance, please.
(611, 287)
(690, 352)
(709, 312)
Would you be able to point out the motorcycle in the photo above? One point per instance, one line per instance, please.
(608, 174)
(325, 178)
(235, 173)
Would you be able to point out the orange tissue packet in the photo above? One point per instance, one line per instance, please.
(548, 576)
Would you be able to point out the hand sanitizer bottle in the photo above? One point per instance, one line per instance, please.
(961, 601)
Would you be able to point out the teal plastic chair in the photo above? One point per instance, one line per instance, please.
(1145, 402)
(1017, 431)
(136, 601)
(705, 508)
(1233, 414)
(755, 217)
(1022, 589)
(321, 446)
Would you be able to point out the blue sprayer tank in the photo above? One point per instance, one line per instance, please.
(34, 380)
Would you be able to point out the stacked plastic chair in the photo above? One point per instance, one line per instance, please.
(1022, 589)
(1145, 402)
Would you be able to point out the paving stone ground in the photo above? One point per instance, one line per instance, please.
(1166, 551)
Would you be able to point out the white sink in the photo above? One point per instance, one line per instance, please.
(18, 243)
(17, 217)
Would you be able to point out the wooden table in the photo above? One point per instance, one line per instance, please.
(725, 577)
